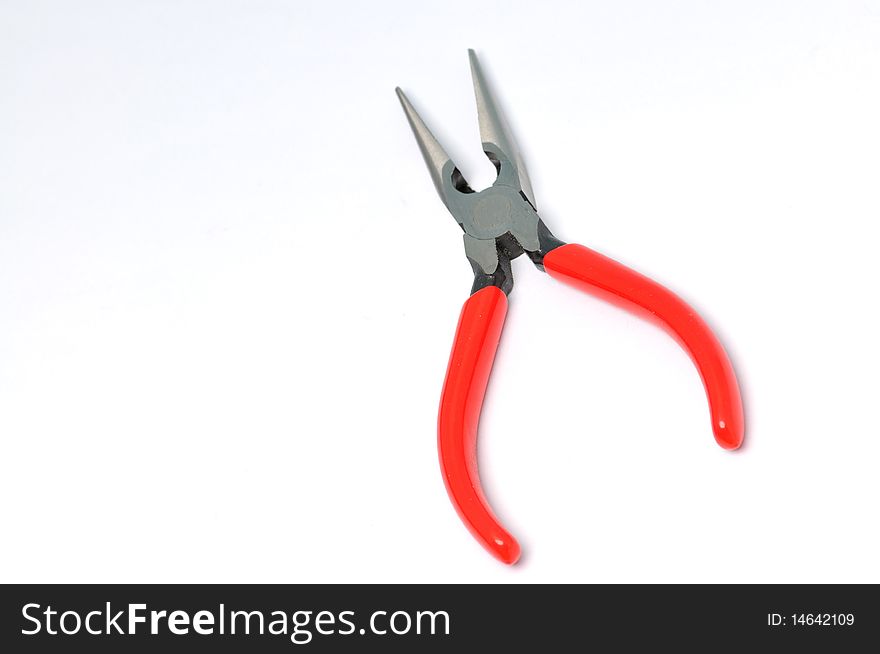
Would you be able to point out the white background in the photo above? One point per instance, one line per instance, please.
(228, 290)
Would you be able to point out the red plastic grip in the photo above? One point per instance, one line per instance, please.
(597, 274)
(470, 364)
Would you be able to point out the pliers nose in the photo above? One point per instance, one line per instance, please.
(499, 224)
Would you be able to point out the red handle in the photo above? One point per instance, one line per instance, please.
(597, 274)
(470, 364)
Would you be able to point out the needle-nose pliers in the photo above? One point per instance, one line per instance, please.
(500, 223)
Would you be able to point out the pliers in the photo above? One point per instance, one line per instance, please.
(500, 223)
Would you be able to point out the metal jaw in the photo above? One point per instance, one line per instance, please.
(501, 221)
